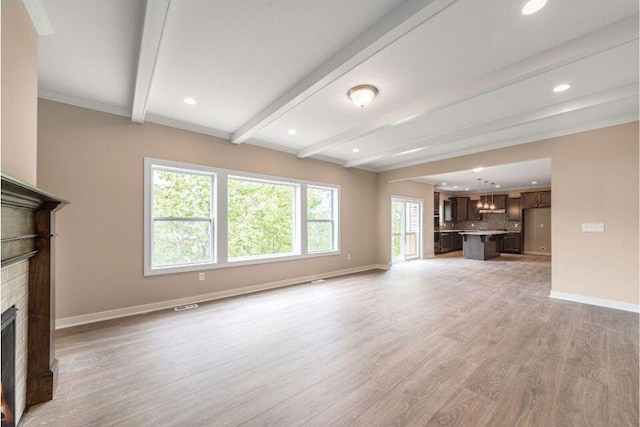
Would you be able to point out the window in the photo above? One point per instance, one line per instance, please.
(261, 218)
(182, 217)
(199, 217)
(321, 219)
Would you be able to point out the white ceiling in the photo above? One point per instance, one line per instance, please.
(466, 75)
(510, 176)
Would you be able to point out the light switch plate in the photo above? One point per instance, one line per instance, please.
(593, 227)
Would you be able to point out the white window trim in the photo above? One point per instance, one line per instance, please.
(335, 216)
(220, 255)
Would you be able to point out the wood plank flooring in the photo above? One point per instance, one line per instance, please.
(441, 342)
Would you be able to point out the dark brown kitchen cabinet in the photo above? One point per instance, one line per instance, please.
(473, 211)
(499, 200)
(536, 199)
(458, 208)
(457, 242)
(436, 204)
(514, 213)
(446, 242)
(512, 243)
(544, 199)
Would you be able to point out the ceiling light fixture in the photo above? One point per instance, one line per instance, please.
(466, 189)
(455, 186)
(291, 131)
(492, 205)
(561, 88)
(356, 150)
(497, 186)
(479, 205)
(478, 169)
(362, 95)
(486, 196)
(189, 101)
(444, 183)
(532, 6)
(534, 182)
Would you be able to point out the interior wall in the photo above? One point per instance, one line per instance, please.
(411, 189)
(19, 92)
(95, 160)
(537, 231)
(595, 179)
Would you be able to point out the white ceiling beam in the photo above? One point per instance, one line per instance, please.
(605, 38)
(501, 123)
(155, 21)
(39, 17)
(393, 26)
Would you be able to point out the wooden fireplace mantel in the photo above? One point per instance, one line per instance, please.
(28, 232)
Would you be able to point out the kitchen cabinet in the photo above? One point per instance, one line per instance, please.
(457, 242)
(511, 243)
(473, 212)
(514, 213)
(446, 242)
(458, 209)
(436, 204)
(499, 200)
(536, 199)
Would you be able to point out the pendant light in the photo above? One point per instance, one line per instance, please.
(486, 196)
(479, 205)
(492, 205)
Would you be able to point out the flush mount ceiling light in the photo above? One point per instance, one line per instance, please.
(444, 183)
(291, 131)
(534, 182)
(478, 169)
(562, 87)
(189, 101)
(356, 150)
(532, 6)
(362, 95)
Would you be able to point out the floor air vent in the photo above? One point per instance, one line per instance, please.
(185, 307)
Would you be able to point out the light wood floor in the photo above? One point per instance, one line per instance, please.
(436, 342)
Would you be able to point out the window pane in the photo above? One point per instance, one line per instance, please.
(181, 195)
(181, 242)
(319, 203)
(260, 218)
(320, 236)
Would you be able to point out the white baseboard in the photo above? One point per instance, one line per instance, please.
(84, 319)
(618, 305)
(537, 253)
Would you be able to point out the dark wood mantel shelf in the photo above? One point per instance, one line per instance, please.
(28, 232)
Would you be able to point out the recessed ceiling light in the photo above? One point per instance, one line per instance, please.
(532, 6)
(292, 131)
(415, 150)
(444, 183)
(534, 182)
(455, 186)
(478, 169)
(561, 88)
(356, 150)
(466, 189)
(189, 101)
(497, 186)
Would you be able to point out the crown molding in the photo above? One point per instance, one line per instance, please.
(39, 17)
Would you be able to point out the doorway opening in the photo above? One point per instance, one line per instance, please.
(406, 229)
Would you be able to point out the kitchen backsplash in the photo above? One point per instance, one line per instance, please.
(493, 221)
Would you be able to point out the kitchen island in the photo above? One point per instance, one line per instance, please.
(480, 245)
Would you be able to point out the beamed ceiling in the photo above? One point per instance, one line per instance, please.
(454, 77)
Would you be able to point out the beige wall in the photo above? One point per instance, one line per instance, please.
(594, 178)
(537, 231)
(19, 92)
(95, 160)
(412, 189)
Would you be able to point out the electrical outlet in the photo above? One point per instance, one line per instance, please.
(593, 227)
(542, 225)
(201, 277)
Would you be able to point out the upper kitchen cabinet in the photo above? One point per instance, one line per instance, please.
(536, 199)
(499, 200)
(455, 209)
(436, 203)
(473, 211)
(514, 213)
